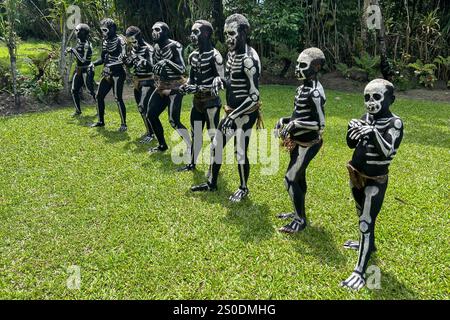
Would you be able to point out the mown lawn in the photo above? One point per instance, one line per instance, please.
(72, 195)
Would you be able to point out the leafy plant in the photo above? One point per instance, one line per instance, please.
(443, 65)
(343, 69)
(369, 64)
(425, 72)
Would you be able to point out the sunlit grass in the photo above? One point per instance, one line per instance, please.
(71, 195)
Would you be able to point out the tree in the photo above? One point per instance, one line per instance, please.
(8, 27)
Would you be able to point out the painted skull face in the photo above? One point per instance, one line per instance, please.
(195, 33)
(303, 66)
(231, 31)
(82, 31)
(77, 30)
(309, 63)
(108, 28)
(159, 32)
(376, 96)
(133, 41)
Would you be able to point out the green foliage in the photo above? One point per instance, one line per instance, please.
(425, 72)
(443, 65)
(70, 195)
(45, 83)
(343, 69)
(369, 64)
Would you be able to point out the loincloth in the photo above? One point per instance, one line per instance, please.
(359, 179)
(203, 101)
(290, 144)
(165, 86)
(256, 107)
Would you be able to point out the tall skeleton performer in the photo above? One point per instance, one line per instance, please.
(113, 75)
(141, 60)
(169, 68)
(376, 138)
(84, 71)
(302, 134)
(242, 74)
(204, 82)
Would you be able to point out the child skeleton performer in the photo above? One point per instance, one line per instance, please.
(169, 68)
(376, 138)
(113, 76)
(204, 82)
(302, 134)
(84, 71)
(141, 60)
(242, 112)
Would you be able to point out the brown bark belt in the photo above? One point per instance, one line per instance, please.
(163, 85)
(290, 144)
(359, 179)
(256, 107)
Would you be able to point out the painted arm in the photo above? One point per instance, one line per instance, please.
(218, 82)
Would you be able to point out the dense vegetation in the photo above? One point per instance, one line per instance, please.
(414, 38)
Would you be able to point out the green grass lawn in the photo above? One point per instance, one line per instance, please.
(31, 49)
(26, 50)
(72, 195)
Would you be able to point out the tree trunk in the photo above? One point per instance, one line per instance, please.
(12, 49)
(13, 59)
(385, 66)
(62, 62)
(218, 19)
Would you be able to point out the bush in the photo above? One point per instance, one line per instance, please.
(45, 83)
(424, 72)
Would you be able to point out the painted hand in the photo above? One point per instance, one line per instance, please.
(227, 127)
(284, 133)
(217, 85)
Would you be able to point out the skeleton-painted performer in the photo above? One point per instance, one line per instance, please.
(84, 71)
(242, 74)
(204, 82)
(376, 138)
(141, 60)
(302, 134)
(113, 75)
(169, 69)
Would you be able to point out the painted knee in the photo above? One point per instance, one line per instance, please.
(364, 227)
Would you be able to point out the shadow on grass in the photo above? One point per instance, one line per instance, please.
(163, 158)
(253, 219)
(318, 242)
(136, 146)
(391, 287)
(112, 136)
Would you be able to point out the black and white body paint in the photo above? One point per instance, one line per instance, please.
(376, 137)
(84, 71)
(303, 128)
(113, 75)
(140, 59)
(169, 69)
(242, 72)
(205, 81)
